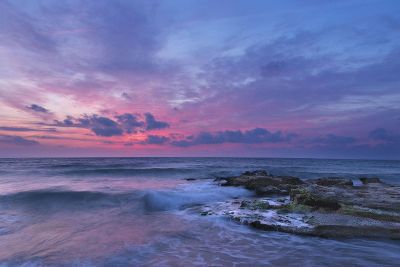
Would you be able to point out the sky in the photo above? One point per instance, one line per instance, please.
(311, 78)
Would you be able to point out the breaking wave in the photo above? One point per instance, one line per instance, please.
(52, 200)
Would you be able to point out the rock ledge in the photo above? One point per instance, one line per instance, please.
(325, 207)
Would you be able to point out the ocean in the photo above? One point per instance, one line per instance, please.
(139, 212)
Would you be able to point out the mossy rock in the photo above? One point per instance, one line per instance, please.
(254, 205)
(370, 213)
(296, 208)
(307, 197)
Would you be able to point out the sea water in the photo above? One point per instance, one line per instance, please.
(139, 212)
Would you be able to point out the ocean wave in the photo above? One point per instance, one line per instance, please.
(52, 200)
(84, 165)
(56, 200)
(195, 194)
(127, 171)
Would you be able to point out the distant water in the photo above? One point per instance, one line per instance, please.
(134, 212)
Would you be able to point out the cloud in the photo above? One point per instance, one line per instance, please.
(153, 124)
(19, 30)
(155, 140)
(17, 140)
(23, 129)
(68, 122)
(38, 108)
(52, 137)
(381, 134)
(283, 81)
(127, 32)
(126, 123)
(254, 136)
(333, 140)
(129, 122)
(284, 73)
(101, 126)
(126, 96)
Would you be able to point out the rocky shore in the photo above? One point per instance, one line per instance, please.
(325, 207)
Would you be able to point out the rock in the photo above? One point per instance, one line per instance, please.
(256, 173)
(264, 184)
(325, 207)
(300, 219)
(254, 205)
(315, 196)
(333, 181)
(373, 180)
(376, 214)
(272, 190)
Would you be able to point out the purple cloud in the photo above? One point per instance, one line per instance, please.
(129, 122)
(328, 78)
(333, 140)
(122, 124)
(254, 136)
(153, 124)
(126, 96)
(101, 126)
(17, 140)
(381, 134)
(155, 140)
(24, 129)
(38, 108)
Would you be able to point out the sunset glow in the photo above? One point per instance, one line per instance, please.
(200, 78)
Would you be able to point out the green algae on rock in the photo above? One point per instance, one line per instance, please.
(325, 207)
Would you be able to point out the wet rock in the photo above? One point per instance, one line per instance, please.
(301, 219)
(376, 214)
(254, 205)
(332, 181)
(315, 196)
(264, 184)
(372, 180)
(256, 173)
(326, 207)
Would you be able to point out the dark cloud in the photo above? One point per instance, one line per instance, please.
(126, 96)
(52, 137)
(155, 140)
(254, 136)
(333, 140)
(381, 134)
(126, 123)
(38, 108)
(17, 140)
(129, 122)
(23, 129)
(68, 121)
(101, 126)
(153, 124)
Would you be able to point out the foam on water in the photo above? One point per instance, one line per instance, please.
(189, 195)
